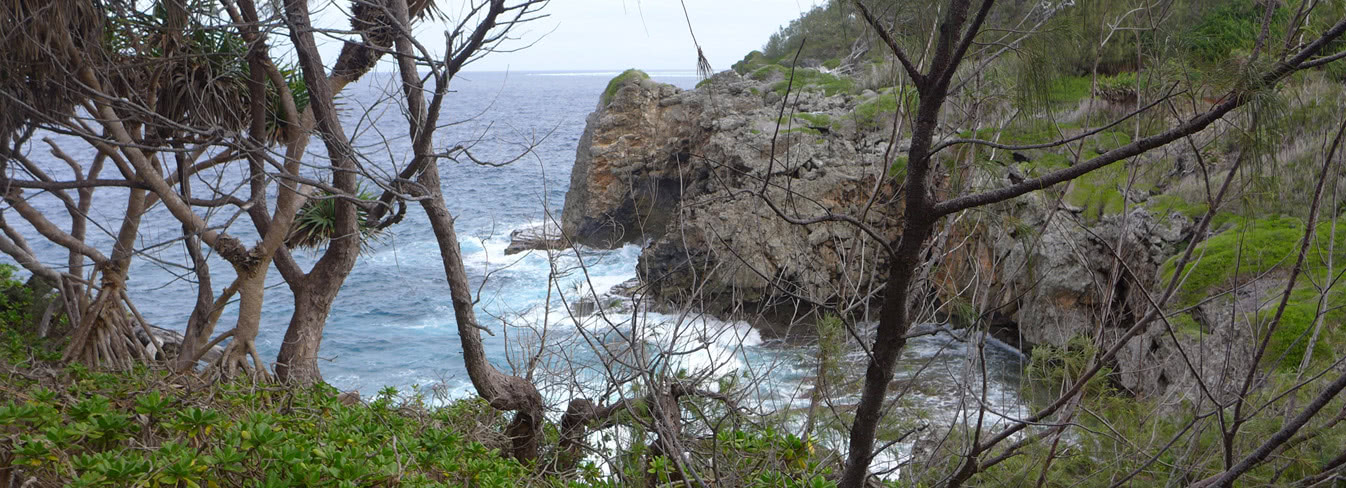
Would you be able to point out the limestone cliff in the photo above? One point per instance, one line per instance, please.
(688, 170)
(734, 198)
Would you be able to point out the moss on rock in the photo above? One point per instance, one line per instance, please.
(617, 82)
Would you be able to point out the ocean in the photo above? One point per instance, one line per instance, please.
(392, 324)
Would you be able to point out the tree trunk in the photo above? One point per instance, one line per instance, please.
(502, 391)
(297, 361)
(252, 291)
(298, 357)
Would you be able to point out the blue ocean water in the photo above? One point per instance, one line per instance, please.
(392, 324)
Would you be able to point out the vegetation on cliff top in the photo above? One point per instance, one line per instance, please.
(617, 81)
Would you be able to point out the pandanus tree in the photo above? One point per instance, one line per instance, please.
(157, 93)
(166, 93)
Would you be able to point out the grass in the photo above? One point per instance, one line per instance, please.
(1253, 247)
(1066, 89)
(812, 79)
(1289, 342)
(1099, 192)
(872, 113)
(769, 71)
(1164, 205)
(617, 82)
(1185, 325)
(898, 170)
(751, 62)
(815, 123)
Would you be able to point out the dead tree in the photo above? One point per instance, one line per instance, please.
(933, 77)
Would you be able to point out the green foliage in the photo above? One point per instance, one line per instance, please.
(1289, 342)
(1112, 425)
(1162, 205)
(1226, 29)
(1122, 87)
(753, 61)
(15, 300)
(317, 442)
(824, 32)
(898, 170)
(812, 79)
(315, 223)
(1068, 89)
(1099, 192)
(1056, 368)
(1185, 325)
(617, 82)
(797, 459)
(874, 112)
(19, 344)
(152, 428)
(1250, 248)
(815, 120)
(769, 72)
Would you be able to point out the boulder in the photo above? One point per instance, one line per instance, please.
(544, 237)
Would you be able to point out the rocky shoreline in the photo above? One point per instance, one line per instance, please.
(710, 178)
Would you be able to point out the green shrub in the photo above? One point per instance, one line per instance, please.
(317, 441)
(15, 300)
(1222, 31)
(146, 427)
(751, 62)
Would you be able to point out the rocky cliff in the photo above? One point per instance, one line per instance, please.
(692, 172)
(736, 200)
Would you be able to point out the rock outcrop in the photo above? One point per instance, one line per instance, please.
(690, 173)
(544, 237)
(736, 204)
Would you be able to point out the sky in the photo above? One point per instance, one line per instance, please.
(619, 34)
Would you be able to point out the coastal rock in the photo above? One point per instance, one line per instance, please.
(623, 184)
(690, 172)
(736, 206)
(543, 237)
(1067, 277)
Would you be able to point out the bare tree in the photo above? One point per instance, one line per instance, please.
(934, 78)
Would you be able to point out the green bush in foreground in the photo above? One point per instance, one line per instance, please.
(70, 426)
(150, 429)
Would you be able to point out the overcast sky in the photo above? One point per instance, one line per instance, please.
(645, 34)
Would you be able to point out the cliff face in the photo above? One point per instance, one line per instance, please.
(624, 186)
(688, 170)
(735, 222)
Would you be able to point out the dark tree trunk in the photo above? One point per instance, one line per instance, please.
(298, 357)
(502, 391)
